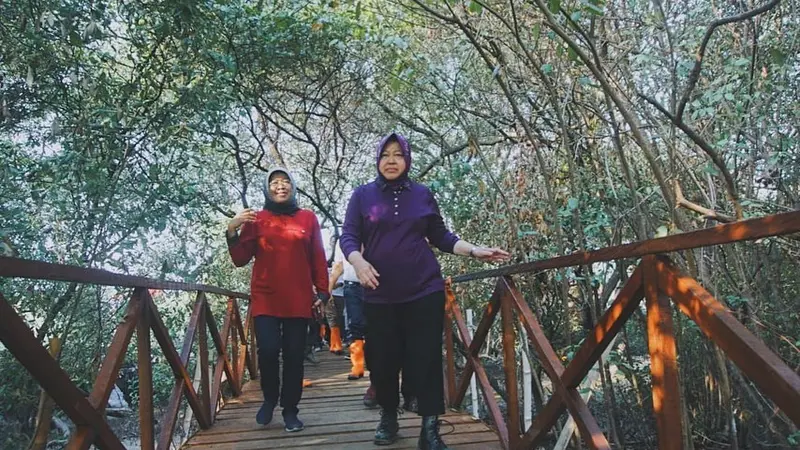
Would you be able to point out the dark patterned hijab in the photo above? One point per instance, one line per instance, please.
(289, 207)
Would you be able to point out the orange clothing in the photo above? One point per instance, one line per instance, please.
(289, 260)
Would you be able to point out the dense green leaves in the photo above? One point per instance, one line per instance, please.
(130, 131)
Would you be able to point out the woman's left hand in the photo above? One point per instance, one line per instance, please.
(491, 254)
(316, 310)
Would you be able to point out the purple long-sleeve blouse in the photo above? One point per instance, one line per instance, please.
(393, 223)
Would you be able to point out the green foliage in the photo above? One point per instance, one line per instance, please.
(130, 132)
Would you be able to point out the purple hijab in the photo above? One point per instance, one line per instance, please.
(406, 149)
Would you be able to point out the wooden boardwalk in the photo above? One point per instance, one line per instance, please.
(334, 418)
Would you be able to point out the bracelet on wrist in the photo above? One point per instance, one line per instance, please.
(472, 252)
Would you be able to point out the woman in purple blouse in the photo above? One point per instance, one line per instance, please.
(395, 221)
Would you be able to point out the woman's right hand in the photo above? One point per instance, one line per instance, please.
(245, 215)
(367, 274)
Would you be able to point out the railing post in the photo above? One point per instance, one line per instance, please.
(170, 416)
(202, 347)
(249, 343)
(587, 425)
(473, 383)
(527, 375)
(221, 338)
(510, 367)
(450, 359)
(109, 370)
(253, 366)
(145, 379)
(475, 342)
(240, 331)
(663, 360)
(237, 377)
(474, 364)
(174, 360)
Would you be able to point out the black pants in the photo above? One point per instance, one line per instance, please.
(407, 336)
(287, 335)
(313, 339)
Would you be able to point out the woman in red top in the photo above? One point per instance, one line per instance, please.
(286, 243)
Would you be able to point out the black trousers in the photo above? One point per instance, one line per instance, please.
(407, 336)
(277, 335)
(313, 339)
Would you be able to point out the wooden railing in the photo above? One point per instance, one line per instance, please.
(656, 280)
(141, 316)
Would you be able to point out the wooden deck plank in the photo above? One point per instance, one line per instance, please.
(335, 418)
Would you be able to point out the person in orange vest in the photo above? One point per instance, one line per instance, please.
(286, 243)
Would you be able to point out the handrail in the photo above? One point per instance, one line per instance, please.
(233, 344)
(38, 270)
(656, 281)
(745, 230)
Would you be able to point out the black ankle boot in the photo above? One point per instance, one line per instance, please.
(386, 433)
(429, 438)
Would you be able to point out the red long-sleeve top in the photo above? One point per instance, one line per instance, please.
(290, 260)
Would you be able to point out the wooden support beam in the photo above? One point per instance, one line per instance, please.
(236, 381)
(23, 345)
(45, 412)
(251, 343)
(542, 423)
(171, 413)
(595, 344)
(475, 344)
(480, 374)
(109, 371)
(663, 361)
(449, 347)
(223, 363)
(587, 425)
(606, 329)
(146, 419)
(767, 370)
(179, 370)
(510, 367)
(221, 343)
(202, 347)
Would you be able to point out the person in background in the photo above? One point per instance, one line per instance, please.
(286, 243)
(353, 295)
(395, 219)
(334, 311)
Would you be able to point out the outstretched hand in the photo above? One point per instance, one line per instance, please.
(490, 254)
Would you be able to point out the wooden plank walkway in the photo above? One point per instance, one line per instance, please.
(334, 417)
